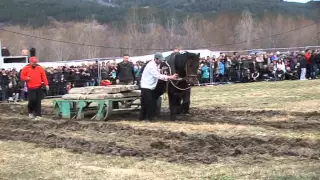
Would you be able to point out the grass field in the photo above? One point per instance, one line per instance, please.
(242, 131)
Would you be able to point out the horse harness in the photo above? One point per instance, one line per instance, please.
(163, 70)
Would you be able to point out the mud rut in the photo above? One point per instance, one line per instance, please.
(122, 140)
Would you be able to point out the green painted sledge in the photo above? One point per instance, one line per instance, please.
(102, 109)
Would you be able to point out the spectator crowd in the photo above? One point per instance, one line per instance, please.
(260, 66)
(226, 68)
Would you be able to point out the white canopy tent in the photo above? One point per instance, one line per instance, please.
(203, 54)
(75, 62)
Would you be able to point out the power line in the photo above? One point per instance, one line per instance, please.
(155, 49)
(74, 43)
(274, 35)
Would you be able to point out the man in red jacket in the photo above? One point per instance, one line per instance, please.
(35, 77)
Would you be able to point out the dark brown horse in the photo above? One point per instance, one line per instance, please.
(186, 66)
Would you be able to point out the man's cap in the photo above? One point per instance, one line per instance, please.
(158, 55)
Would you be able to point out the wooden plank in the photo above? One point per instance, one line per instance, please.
(135, 93)
(97, 100)
(103, 89)
(125, 109)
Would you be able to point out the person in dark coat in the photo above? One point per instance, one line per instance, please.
(5, 51)
(303, 66)
(50, 78)
(125, 72)
(317, 59)
(313, 65)
(4, 82)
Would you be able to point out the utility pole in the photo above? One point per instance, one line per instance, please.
(318, 34)
(134, 12)
(135, 22)
(211, 69)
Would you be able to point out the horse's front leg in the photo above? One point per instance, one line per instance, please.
(185, 107)
(174, 105)
(178, 105)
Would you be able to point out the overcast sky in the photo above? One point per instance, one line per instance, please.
(301, 1)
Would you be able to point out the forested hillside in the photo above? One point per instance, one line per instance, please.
(255, 6)
(101, 28)
(40, 12)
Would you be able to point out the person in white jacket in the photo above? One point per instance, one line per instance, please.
(149, 80)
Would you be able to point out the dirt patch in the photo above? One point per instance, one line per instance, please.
(157, 144)
(300, 120)
(124, 140)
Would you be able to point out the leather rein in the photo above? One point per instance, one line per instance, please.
(180, 79)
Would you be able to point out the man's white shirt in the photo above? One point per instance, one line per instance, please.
(151, 75)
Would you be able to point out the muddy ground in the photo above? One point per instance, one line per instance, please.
(123, 140)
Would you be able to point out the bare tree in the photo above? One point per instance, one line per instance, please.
(144, 32)
(245, 29)
(171, 28)
(60, 50)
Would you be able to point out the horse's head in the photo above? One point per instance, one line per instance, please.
(187, 65)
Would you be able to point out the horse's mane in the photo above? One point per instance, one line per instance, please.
(178, 62)
(181, 60)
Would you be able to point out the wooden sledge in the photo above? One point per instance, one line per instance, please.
(98, 101)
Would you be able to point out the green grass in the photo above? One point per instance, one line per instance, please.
(286, 95)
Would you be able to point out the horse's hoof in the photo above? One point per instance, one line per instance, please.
(186, 115)
(173, 119)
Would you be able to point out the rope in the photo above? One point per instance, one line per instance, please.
(178, 87)
(86, 94)
(170, 72)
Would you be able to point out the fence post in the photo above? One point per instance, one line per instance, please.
(99, 72)
(210, 69)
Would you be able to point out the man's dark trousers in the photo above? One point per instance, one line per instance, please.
(148, 103)
(34, 101)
